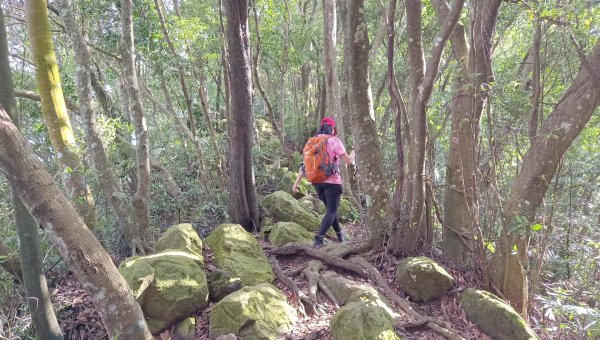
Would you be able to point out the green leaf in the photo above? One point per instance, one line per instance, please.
(490, 246)
(536, 227)
(4, 258)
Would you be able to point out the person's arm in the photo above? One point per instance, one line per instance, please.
(298, 179)
(348, 159)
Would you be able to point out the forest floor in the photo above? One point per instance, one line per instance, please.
(79, 320)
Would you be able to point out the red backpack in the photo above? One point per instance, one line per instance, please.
(317, 164)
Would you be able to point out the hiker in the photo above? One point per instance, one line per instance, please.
(328, 184)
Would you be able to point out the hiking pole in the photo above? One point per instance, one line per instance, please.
(360, 205)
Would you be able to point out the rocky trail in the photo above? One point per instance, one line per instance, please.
(274, 285)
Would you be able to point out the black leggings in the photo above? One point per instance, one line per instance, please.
(330, 194)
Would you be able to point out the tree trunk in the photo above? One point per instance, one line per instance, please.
(368, 150)
(243, 203)
(332, 84)
(115, 196)
(142, 194)
(422, 79)
(54, 111)
(461, 205)
(31, 269)
(564, 124)
(120, 313)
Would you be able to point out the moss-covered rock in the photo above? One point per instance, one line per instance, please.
(348, 291)
(422, 278)
(494, 317)
(285, 208)
(186, 329)
(286, 182)
(259, 312)
(347, 210)
(314, 204)
(288, 232)
(362, 321)
(221, 284)
(168, 286)
(237, 251)
(180, 237)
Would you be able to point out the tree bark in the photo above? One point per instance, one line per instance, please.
(563, 125)
(368, 150)
(461, 205)
(422, 79)
(31, 268)
(115, 196)
(54, 111)
(120, 313)
(332, 84)
(142, 194)
(243, 203)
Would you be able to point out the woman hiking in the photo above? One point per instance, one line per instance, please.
(329, 185)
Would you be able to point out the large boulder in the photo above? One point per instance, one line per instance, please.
(180, 237)
(168, 286)
(494, 317)
(237, 251)
(286, 182)
(362, 321)
(221, 284)
(259, 312)
(348, 291)
(285, 208)
(288, 232)
(186, 329)
(422, 278)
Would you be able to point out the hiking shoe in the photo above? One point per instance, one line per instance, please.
(318, 241)
(340, 236)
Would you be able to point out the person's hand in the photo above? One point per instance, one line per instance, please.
(295, 188)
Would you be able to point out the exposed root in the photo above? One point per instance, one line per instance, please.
(345, 249)
(295, 248)
(296, 271)
(311, 272)
(307, 303)
(329, 294)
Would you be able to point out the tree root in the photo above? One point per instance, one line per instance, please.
(295, 248)
(308, 304)
(311, 272)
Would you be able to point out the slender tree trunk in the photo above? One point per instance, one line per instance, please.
(399, 106)
(243, 203)
(142, 194)
(54, 111)
(564, 124)
(368, 150)
(32, 269)
(332, 84)
(461, 204)
(422, 78)
(537, 81)
(115, 196)
(120, 312)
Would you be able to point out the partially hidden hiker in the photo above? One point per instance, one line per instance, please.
(322, 154)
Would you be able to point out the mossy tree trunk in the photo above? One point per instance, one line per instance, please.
(32, 269)
(54, 111)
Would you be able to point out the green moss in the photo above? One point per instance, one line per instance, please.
(284, 208)
(422, 278)
(237, 251)
(180, 237)
(259, 312)
(288, 232)
(494, 317)
(362, 321)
